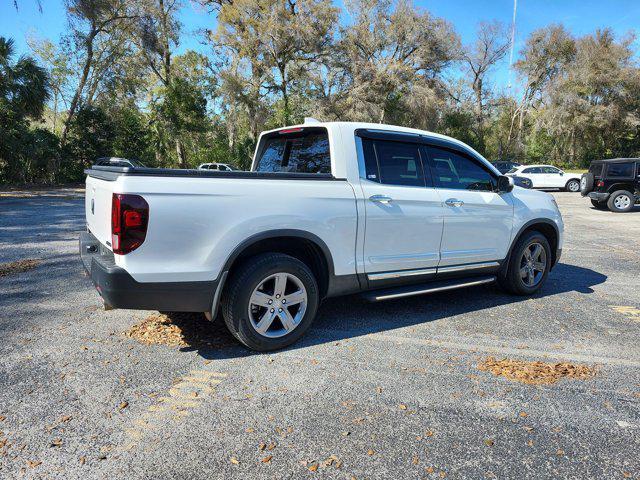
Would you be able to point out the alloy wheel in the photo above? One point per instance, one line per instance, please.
(277, 305)
(622, 201)
(533, 264)
(574, 186)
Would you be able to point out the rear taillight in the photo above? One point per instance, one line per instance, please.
(599, 184)
(129, 219)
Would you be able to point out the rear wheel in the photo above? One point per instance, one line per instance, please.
(271, 300)
(599, 205)
(621, 201)
(573, 186)
(529, 264)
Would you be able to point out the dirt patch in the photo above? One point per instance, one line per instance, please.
(18, 266)
(180, 330)
(535, 373)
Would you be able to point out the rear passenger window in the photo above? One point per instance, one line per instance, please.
(393, 163)
(620, 170)
(301, 152)
(458, 172)
(532, 170)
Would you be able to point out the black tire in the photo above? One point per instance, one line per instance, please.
(249, 276)
(599, 205)
(572, 185)
(511, 279)
(616, 198)
(586, 183)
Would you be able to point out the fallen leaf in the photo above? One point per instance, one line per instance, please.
(234, 460)
(123, 405)
(250, 430)
(560, 452)
(402, 406)
(429, 469)
(267, 459)
(379, 389)
(57, 442)
(370, 452)
(313, 467)
(524, 414)
(2, 418)
(415, 460)
(489, 442)
(33, 463)
(442, 474)
(535, 373)
(262, 446)
(345, 434)
(83, 460)
(429, 433)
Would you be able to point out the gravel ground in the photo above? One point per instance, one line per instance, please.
(373, 391)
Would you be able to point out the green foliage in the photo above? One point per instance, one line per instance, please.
(114, 85)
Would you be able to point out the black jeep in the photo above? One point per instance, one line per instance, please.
(612, 184)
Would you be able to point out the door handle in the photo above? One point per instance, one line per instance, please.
(454, 202)
(380, 198)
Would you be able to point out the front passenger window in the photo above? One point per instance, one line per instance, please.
(458, 172)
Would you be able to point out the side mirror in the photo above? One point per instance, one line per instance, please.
(505, 184)
(561, 173)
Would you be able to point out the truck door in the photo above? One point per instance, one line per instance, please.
(403, 212)
(477, 219)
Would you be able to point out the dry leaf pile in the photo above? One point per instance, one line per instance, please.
(535, 373)
(18, 266)
(180, 330)
(157, 329)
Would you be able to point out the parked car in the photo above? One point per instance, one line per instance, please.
(118, 162)
(547, 176)
(327, 209)
(222, 167)
(504, 166)
(612, 184)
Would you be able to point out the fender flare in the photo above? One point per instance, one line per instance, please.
(527, 225)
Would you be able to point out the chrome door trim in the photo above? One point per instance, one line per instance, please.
(400, 274)
(433, 270)
(468, 266)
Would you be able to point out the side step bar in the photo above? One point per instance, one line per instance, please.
(421, 289)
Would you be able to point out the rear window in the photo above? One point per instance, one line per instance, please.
(301, 151)
(620, 170)
(596, 169)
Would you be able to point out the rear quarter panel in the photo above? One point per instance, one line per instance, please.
(196, 223)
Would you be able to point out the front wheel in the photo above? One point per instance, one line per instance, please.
(572, 186)
(621, 201)
(528, 266)
(271, 300)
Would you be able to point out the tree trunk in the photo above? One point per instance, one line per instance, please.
(182, 160)
(81, 84)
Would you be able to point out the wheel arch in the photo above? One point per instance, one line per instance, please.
(305, 246)
(547, 228)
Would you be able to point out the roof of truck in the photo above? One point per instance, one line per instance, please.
(312, 122)
(617, 160)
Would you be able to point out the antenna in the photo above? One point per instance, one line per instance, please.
(513, 40)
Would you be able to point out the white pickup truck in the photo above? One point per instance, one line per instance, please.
(327, 209)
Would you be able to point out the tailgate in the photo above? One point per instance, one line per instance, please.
(98, 208)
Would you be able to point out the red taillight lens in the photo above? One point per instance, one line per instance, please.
(129, 220)
(600, 183)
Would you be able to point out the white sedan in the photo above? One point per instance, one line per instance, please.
(547, 176)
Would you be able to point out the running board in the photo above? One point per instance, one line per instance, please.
(423, 288)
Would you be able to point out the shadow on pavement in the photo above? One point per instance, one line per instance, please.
(347, 317)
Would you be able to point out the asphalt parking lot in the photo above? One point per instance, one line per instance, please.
(382, 391)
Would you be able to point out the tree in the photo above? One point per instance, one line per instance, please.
(24, 89)
(490, 47)
(394, 57)
(274, 44)
(91, 20)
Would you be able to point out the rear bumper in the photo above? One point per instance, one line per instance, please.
(599, 196)
(120, 290)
